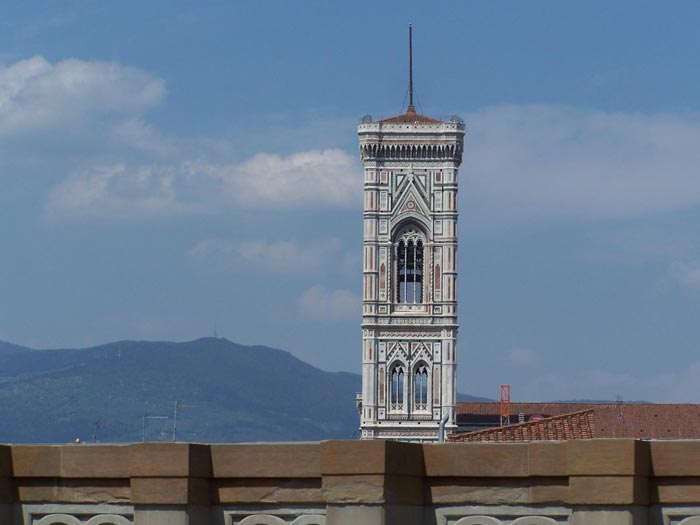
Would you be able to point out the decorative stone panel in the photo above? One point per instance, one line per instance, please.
(503, 515)
(681, 516)
(77, 515)
(276, 517)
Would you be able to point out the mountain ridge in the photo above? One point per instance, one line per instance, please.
(117, 392)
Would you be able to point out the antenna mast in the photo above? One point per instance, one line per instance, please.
(411, 108)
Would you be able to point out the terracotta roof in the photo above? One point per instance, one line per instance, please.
(611, 420)
(577, 425)
(547, 408)
(410, 117)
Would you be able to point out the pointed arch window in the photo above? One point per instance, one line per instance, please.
(397, 386)
(409, 266)
(420, 387)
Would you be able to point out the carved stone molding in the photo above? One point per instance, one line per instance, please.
(57, 519)
(67, 519)
(478, 520)
(410, 335)
(488, 520)
(282, 517)
(503, 515)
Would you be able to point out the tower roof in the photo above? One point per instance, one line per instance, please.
(410, 117)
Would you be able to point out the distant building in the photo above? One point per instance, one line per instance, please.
(480, 421)
(409, 323)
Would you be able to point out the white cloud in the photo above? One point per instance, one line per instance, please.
(305, 179)
(311, 179)
(285, 255)
(35, 94)
(139, 135)
(687, 274)
(549, 162)
(117, 191)
(537, 162)
(96, 107)
(520, 356)
(321, 304)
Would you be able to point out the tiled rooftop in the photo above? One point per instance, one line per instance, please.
(578, 425)
(607, 420)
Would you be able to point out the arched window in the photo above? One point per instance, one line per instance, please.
(397, 387)
(409, 267)
(420, 387)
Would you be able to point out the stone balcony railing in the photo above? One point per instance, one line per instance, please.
(585, 482)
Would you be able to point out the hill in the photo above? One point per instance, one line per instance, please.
(228, 392)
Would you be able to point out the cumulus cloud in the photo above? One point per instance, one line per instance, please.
(308, 178)
(137, 134)
(550, 162)
(311, 179)
(36, 94)
(283, 255)
(538, 162)
(321, 304)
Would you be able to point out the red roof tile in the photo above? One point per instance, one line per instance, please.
(577, 425)
(410, 117)
(612, 420)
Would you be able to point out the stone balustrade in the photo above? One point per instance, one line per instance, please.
(586, 482)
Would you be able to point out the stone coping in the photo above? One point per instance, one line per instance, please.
(578, 472)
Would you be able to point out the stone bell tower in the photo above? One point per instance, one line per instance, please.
(409, 323)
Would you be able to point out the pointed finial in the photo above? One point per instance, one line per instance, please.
(411, 108)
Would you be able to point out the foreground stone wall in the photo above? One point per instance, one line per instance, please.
(593, 482)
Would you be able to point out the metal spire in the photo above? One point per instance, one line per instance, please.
(411, 108)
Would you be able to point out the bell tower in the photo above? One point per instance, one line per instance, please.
(409, 323)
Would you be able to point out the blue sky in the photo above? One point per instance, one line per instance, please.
(169, 167)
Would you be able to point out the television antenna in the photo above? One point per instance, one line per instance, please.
(97, 429)
(146, 418)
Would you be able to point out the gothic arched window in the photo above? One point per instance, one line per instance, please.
(397, 387)
(409, 268)
(420, 387)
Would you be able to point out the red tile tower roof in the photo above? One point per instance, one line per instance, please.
(410, 117)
